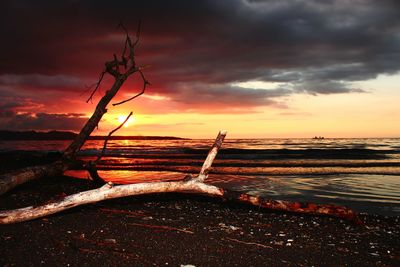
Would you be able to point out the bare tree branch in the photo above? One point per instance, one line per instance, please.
(145, 83)
(95, 86)
(91, 166)
(138, 32)
(109, 135)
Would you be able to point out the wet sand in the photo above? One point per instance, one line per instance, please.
(181, 229)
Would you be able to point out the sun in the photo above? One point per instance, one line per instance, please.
(121, 119)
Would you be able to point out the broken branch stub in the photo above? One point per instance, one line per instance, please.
(211, 156)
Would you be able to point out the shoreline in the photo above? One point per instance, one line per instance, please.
(177, 229)
(277, 179)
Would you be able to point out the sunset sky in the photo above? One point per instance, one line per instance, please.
(274, 68)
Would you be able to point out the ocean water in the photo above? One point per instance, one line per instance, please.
(363, 174)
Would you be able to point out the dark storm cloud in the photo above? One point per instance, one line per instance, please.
(51, 82)
(41, 121)
(197, 49)
(10, 105)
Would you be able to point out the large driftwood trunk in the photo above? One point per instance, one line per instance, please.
(12, 179)
(120, 70)
(109, 191)
(94, 120)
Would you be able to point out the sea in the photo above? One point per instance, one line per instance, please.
(362, 174)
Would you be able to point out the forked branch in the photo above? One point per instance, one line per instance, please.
(109, 135)
(91, 166)
(94, 87)
(145, 83)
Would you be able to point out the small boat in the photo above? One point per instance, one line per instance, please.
(318, 137)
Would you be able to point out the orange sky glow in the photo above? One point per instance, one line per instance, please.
(368, 114)
(258, 69)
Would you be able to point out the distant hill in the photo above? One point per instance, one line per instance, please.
(62, 135)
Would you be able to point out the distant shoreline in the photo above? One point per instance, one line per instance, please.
(65, 135)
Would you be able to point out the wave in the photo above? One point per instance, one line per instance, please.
(249, 154)
(360, 173)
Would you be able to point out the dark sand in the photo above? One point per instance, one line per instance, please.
(179, 229)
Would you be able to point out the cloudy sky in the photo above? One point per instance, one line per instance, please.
(273, 68)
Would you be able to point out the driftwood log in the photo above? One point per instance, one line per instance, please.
(192, 184)
(121, 69)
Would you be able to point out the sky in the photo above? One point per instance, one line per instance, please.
(258, 69)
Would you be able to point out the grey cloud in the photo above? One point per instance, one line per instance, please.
(42, 121)
(325, 87)
(225, 97)
(55, 82)
(9, 105)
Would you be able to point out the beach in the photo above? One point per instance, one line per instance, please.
(182, 229)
